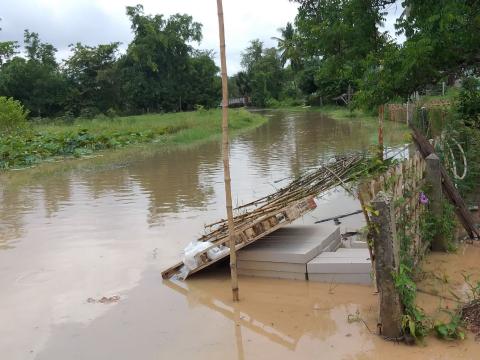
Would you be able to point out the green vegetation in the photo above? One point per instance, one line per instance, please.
(160, 72)
(460, 148)
(337, 46)
(12, 115)
(334, 47)
(452, 330)
(37, 143)
(445, 225)
(414, 322)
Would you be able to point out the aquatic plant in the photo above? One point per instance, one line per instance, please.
(83, 137)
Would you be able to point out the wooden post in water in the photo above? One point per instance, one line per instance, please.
(381, 111)
(226, 157)
(387, 257)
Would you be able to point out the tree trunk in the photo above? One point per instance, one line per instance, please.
(226, 160)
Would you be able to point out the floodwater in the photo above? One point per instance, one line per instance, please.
(75, 232)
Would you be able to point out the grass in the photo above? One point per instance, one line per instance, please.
(451, 94)
(42, 142)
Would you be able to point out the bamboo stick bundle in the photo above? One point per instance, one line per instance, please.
(311, 184)
(271, 212)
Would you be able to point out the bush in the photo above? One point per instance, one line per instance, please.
(89, 112)
(13, 116)
(468, 105)
(111, 113)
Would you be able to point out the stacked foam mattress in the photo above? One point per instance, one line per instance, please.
(351, 266)
(286, 252)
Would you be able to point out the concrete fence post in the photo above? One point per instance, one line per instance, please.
(387, 257)
(434, 179)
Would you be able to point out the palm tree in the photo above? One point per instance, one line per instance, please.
(288, 47)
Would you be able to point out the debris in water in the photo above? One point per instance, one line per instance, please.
(104, 300)
(471, 316)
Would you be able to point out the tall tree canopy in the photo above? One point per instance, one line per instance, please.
(158, 62)
(92, 78)
(339, 35)
(35, 80)
(160, 71)
(263, 75)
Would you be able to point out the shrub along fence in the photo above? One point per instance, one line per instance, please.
(430, 117)
(400, 206)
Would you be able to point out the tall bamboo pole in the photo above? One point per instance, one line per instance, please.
(226, 160)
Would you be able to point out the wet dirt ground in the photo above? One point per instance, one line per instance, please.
(82, 245)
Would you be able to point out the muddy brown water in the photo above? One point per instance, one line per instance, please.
(76, 232)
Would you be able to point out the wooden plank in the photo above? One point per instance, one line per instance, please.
(294, 210)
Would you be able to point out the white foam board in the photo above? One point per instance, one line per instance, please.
(296, 244)
(273, 274)
(272, 266)
(347, 253)
(338, 265)
(364, 279)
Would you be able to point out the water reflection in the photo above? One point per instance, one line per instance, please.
(289, 314)
(237, 313)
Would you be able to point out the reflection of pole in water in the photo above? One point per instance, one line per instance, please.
(243, 319)
(238, 333)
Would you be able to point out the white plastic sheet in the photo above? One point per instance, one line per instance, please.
(217, 252)
(196, 247)
(193, 249)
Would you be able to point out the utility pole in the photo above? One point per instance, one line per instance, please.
(226, 157)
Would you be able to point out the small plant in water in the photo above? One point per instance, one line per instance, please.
(453, 330)
(473, 287)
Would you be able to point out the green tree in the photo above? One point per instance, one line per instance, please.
(339, 35)
(155, 68)
(449, 28)
(264, 70)
(243, 83)
(7, 49)
(468, 104)
(204, 84)
(35, 81)
(287, 44)
(92, 76)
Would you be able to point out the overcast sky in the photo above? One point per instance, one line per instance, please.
(93, 22)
